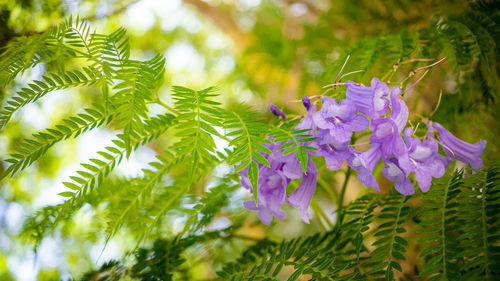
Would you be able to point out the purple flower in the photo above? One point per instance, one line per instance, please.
(395, 173)
(340, 119)
(278, 161)
(399, 112)
(326, 144)
(271, 195)
(307, 122)
(276, 111)
(423, 159)
(387, 131)
(302, 196)
(372, 101)
(273, 182)
(307, 102)
(459, 149)
(388, 137)
(365, 162)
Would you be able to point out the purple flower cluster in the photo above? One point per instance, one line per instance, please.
(385, 114)
(274, 180)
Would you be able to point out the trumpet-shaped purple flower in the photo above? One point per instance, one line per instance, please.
(273, 182)
(423, 159)
(387, 131)
(372, 101)
(458, 149)
(340, 120)
(302, 196)
(388, 137)
(334, 157)
(333, 126)
(276, 111)
(399, 112)
(365, 162)
(271, 195)
(394, 172)
(307, 103)
(328, 146)
(307, 122)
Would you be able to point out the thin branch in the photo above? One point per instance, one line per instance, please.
(349, 73)
(427, 66)
(334, 84)
(437, 105)
(416, 82)
(345, 62)
(415, 60)
(167, 107)
(341, 197)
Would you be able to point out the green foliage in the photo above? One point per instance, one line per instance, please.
(30, 150)
(92, 176)
(243, 124)
(157, 263)
(50, 83)
(134, 196)
(458, 244)
(197, 116)
(249, 137)
(439, 222)
(136, 81)
(468, 40)
(164, 260)
(389, 244)
(210, 205)
(458, 217)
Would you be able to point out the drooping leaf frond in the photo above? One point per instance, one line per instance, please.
(196, 121)
(29, 150)
(138, 191)
(389, 243)
(243, 124)
(438, 222)
(479, 222)
(91, 176)
(133, 93)
(49, 83)
(249, 136)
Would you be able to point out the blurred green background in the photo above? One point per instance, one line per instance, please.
(255, 51)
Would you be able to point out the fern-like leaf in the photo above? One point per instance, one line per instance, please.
(389, 244)
(134, 92)
(198, 116)
(439, 220)
(49, 83)
(137, 192)
(29, 150)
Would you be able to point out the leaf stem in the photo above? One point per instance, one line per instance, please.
(321, 214)
(322, 183)
(167, 107)
(341, 197)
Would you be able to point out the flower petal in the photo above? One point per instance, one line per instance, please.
(399, 109)
(357, 124)
(361, 96)
(458, 149)
(404, 187)
(302, 196)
